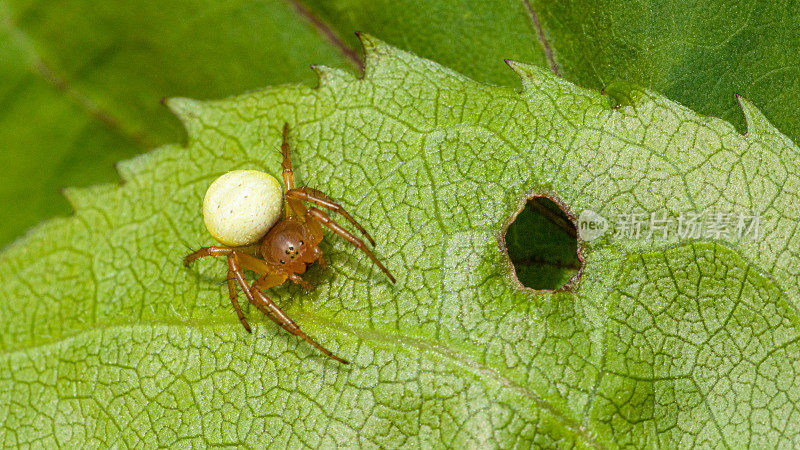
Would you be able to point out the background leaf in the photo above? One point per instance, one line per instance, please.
(699, 54)
(80, 83)
(662, 342)
(47, 141)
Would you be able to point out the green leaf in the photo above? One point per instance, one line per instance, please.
(661, 342)
(47, 141)
(471, 37)
(80, 84)
(696, 53)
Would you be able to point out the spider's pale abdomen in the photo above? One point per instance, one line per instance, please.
(241, 206)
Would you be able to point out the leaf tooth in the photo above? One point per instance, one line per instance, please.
(533, 76)
(541, 80)
(520, 68)
(126, 169)
(72, 196)
(375, 50)
(370, 43)
(755, 119)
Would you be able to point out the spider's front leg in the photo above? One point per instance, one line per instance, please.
(297, 279)
(271, 280)
(271, 310)
(319, 198)
(316, 218)
(286, 164)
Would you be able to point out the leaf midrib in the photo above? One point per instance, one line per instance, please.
(537, 25)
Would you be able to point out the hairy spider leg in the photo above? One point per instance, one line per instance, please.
(299, 280)
(314, 222)
(271, 310)
(233, 269)
(316, 216)
(319, 198)
(234, 275)
(218, 251)
(323, 263)
(254, 294)
(206, 251)
(286, 164)
(309, 194)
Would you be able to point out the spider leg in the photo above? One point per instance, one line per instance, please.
(267, 281)
(288, 173)
(234, 274)
(319, 216)
(268, 307)
(250, 262)
(299, 280)
(296, 206)
(319, 198)
(232, 268)
(218, 251)
(323, 263)
(206, 251)
(254, 294)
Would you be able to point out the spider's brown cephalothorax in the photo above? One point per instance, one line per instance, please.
(285, 247)
(287, 244)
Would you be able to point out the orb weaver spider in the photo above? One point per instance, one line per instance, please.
(286, 246)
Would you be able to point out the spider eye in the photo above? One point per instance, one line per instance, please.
(283, 262)
(301, 242)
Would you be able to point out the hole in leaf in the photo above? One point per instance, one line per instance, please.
(543, 246)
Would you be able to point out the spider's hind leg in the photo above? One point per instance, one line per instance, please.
(203, 252)
(234, 274)
(286, 164)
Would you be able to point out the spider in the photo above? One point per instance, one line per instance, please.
(287, 247)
